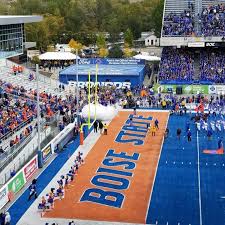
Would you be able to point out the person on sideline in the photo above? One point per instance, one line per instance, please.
(95, 126)
(105, 129)
(156, 124)
(32, 189)
(153, 130)
(189, 135)
(178, 133)
(7, 218)
(100, 126)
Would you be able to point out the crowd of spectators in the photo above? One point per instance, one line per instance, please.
(179, 24)
(212, 66)
(176, 64)
(18, 108)
(213, 20)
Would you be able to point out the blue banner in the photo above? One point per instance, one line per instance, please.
(113, 61)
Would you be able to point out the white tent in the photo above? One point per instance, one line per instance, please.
(146, 57)
(58, 56)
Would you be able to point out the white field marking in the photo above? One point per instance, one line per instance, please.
(156, 171)
(199, 184)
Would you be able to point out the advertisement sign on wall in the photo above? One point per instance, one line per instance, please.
(3, 196)
(216, 89)
(186, 89)
(46, 153)
(30, 168)
(16, 183)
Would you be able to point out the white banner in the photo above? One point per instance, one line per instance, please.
(3, 196)
(217, 89)
(196, 44)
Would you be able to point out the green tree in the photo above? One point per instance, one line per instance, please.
(115, 52)
(128, 38)
(157, 17)
(101, 42)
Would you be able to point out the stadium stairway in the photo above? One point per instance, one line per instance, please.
(206, 3)
(46, 84)
(177, 6)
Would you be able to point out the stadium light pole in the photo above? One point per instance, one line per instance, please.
(77, 90)
(40, 160)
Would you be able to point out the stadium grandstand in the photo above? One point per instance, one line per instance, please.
(18, 102)
(193, 36)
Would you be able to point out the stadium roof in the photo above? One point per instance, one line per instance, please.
(103, 70)
(150, 58)
(58, 56)
(6, 20)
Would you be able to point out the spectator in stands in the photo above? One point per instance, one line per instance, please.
(212, 66)
(179, 24)
(213, 20)
(176, 64)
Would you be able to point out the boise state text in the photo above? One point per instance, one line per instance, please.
(113, 179)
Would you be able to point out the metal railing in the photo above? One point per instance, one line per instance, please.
(8, 156)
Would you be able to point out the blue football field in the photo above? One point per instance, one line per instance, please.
(189, 186)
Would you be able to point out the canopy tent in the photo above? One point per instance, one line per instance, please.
(146, 57)
(58, 56)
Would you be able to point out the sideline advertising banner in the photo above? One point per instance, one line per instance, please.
(186, 89)
(16, 183)
(46, 152)
(30, 168)
(216, 89)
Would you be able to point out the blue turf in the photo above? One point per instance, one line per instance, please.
(175, 197)
(21, 205)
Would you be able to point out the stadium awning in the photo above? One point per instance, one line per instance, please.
(58, 56)
(150, 58)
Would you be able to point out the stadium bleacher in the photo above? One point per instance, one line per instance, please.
(212, 66)
(196, 20)
(176, 65)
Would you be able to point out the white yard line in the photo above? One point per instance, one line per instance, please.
(156, 171)
(199, 183)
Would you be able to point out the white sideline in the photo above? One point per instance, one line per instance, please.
(199, 184)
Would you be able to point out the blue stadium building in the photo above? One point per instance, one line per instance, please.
(109, 70)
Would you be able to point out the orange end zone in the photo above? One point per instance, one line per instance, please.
(132, 186)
